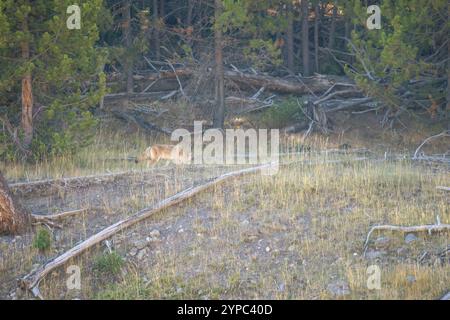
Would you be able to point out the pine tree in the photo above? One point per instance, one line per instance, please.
(57, 70)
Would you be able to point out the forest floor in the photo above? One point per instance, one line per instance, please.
(298, 234)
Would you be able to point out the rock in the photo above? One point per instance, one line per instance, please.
(181, 230)
(374, 254)
(245, 222)
(140, 244)
(410, 278)
(155, 234)
(141, 254)
(133, 251)
(267, 249)
(382, 242)
(339, 288)
(410, 237)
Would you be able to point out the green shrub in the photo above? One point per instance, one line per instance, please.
(286, 112)
(109, 263)
(42, 240)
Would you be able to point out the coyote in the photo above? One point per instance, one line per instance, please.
(164, 152)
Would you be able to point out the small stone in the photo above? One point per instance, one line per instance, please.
(267, 249)
(181, 230)
(410, 238)
(155, 234)
(245, 222)
(141, 254)
(133, 251)
(410, 278)
(339, 288)
(140, 244)
(374, 254)
(382, 242)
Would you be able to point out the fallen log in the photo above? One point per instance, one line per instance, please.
(305, 85)
(430, 228)
(302, 85)
(50, 186)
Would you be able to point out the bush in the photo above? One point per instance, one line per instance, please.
(287, 112)
(109, 263)
(42, 240)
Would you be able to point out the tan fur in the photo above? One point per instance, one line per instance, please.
(158, 152)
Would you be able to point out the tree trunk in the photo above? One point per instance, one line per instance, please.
(333, 27)
(13, 218)
(27, 92)
(316, 37)
(219, 110)
(189, 13)
(156, 31)
(128, 44)
(305, 38)
(290, 39)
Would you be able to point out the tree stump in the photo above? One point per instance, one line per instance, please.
(13, 217)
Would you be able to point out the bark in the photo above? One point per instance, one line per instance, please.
(316, 37)
(305, 38)
(128, 44)
(290, 40)
(189, 13)
(156, 32)
(333, 27)
(219, 110)
(13, 217)
(27, 93)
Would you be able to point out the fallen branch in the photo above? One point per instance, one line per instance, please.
(443, 188)
(446, 296)
(438, 227)
(57, 216)
(442, 134)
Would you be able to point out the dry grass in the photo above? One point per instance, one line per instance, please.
(286, 236)
(306, 228)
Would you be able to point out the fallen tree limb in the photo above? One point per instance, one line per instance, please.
(413, 229)
(446, 296)
(442, 134)
(57, 216)
(49, 186)
(443, 188)
(31, 281)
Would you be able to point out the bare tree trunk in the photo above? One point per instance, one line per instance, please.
(189, 13)
(290, 39)
(128, 44)
(156, 31)
(27, 93)
(13, 218)
(333, 27)
(219, 110)
(305, 38)
(316, 37)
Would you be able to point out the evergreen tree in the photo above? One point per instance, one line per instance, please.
(58, 71)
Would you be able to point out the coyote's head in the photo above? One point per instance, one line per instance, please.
(144, 155)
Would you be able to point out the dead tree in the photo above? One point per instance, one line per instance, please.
(219, 109)
(13, 217)
(305, 37)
